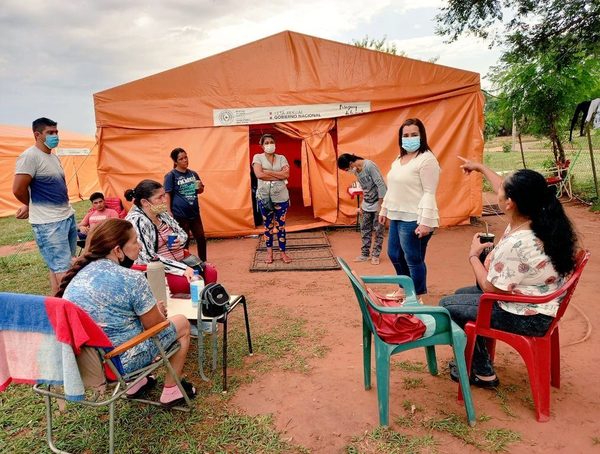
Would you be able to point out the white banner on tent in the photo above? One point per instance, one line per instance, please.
(72, 151)
(277, 114)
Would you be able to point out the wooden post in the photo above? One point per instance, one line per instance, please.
(522, 154)
(589, 136)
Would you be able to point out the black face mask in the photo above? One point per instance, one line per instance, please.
(126, 262)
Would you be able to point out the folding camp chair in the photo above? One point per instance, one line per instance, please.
(76, 354)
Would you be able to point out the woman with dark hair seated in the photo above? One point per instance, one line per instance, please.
(120, 300)
(533, 257)
(153, 225)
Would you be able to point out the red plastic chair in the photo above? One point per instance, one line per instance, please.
(116, 204)
(540, 354)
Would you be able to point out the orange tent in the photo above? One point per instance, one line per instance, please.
(77, 155)
(320, 97)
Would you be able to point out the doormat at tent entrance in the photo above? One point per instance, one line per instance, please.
(310, 251)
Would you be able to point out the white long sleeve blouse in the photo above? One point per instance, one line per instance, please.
(411, 191)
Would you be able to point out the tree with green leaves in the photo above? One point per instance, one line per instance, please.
(541, 97)
(551, 55)
(526, 27)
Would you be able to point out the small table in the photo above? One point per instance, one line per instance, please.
(184, 307)
(356, 191)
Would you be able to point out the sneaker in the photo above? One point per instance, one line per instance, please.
(374, 260)
(361, 258)
(473, 379)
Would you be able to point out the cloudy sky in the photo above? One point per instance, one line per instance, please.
(55, 54)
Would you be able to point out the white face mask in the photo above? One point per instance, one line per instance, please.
(269, 148)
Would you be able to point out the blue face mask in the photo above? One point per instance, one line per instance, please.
(51, 141)
(411, 144)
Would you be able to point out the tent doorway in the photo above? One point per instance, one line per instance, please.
(289, 147)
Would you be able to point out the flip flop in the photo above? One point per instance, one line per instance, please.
(286, 259)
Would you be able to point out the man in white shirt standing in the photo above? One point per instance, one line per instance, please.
(40, 185)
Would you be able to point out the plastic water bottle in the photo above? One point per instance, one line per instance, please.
(196, 286)
(155, 271)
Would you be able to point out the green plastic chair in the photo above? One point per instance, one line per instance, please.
(441, 330)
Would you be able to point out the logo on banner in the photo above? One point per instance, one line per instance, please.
(226, 117)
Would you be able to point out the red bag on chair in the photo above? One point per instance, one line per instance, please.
(394, 328)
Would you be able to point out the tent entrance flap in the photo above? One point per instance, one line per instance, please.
(319, 168)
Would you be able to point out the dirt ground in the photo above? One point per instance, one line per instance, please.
(324, 408)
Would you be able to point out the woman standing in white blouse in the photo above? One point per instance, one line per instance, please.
(410, 203)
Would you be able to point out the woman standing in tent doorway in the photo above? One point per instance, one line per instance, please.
(182, 187)
(272, 171)
(410, 203)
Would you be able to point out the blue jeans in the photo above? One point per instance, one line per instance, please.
(57, 242)
(463, 307)
(407, 253)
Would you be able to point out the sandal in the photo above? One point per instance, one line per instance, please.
(269, 258)
(286, 258)
(144, 389)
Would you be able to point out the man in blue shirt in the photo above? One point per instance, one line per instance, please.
(40, 185)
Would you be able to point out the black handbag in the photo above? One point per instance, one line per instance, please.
(214, 300)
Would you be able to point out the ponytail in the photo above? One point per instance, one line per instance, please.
(144, 190)
(535, 200)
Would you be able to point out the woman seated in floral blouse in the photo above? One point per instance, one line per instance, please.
(533, 257)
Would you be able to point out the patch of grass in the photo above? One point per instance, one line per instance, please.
(455, 426)
(24, 273)
(289, 345)
(496, 440)
(491, 440)
(412, 383)
(139, 429)
(595, 441)
(503, 395)
(15, 231)
(212, 426)
(409, 366)
(384, 439)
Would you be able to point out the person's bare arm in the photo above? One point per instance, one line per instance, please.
(262, 174)
(282, 174)
(152, 317)
(21, 184)
(494, 179)
(21, 187)
(168, 197)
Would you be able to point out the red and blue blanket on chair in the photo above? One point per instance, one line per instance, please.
(34, 331)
